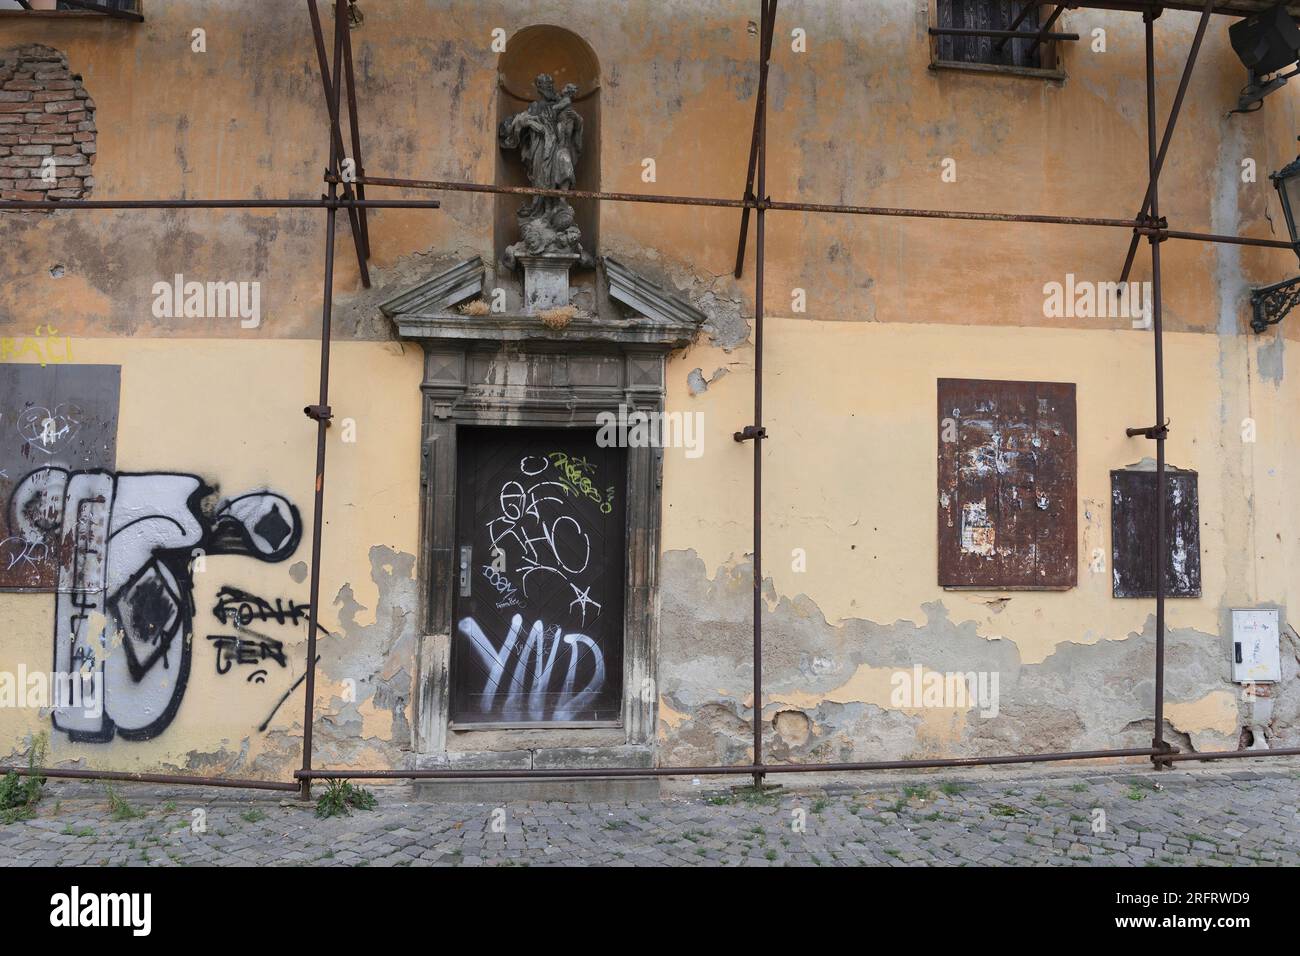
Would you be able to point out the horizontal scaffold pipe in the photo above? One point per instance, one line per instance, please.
(746, 769)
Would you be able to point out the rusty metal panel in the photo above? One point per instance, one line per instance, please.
(1008, 499)
(54, 421)
(1133, 534)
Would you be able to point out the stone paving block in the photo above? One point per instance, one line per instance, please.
(1213, 819)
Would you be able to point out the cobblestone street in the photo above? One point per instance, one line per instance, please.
(1220, 816)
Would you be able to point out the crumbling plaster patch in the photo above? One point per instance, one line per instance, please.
(374, 712)
(1080, 697)
(696, 382)
(374, 728)
(1270, 358)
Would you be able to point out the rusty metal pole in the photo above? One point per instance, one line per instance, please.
(766, 18)
(355, 123)
(321, 413)
(333, 107)
(1170, 124)
(765, 52)
(1015, 24)
(1157, 325)
(1046, 29)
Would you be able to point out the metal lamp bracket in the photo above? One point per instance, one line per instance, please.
(1271, 304)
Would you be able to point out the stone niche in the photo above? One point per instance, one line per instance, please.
(513, 369)
(566, 58)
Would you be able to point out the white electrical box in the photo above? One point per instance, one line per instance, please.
(1256, 651)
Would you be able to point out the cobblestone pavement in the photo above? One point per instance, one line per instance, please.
(1201, 817)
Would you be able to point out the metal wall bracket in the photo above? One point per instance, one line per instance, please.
(1149, 431)
(319, 413)
(1155, 228)
(1161, 760)
(750, 431)
(1271, 304)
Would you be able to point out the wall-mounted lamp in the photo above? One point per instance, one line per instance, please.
(1266, 43)
(1271, 304)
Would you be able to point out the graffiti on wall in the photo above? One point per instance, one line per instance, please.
(126, 546)
(519, 676)
(240, 608)
(249, 648)
(537, 525)
(63, 416)
(539, 634)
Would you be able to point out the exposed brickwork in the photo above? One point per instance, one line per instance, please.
(45, 114)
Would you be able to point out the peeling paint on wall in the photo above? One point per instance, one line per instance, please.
(840, 676)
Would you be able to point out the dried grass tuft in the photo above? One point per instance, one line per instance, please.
(558, 318)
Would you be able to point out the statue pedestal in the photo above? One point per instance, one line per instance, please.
(546, 281)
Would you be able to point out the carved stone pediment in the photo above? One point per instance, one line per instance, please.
(439, 293)
(647, 297)
(427, 313)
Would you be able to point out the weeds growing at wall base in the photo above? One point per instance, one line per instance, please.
(753, 796)
(119, 808)
(340, 798)
(19, 795)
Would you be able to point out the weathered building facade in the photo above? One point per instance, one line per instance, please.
(537, 546)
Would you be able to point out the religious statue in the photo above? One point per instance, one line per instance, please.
(548, 136)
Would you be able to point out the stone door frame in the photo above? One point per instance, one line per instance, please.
(512, 371)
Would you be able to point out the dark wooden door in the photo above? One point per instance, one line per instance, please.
(539, 589)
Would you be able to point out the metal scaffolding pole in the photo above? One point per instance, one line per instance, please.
(1015, 24)
(332, 104)
(321, 411)
(767, 27)
(1157, 321)
(66, 205)
(758, 433)
(354, 122)
(1174, 113)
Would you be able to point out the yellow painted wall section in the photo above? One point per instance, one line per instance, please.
(850, 467)
(230, 413)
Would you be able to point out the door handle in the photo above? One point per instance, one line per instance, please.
(466, 556)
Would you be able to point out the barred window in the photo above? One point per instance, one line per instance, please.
(1019, 15)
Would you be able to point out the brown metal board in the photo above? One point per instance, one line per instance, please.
(1007, 499)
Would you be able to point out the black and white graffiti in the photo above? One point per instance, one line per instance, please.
(519, 676)
(125, 605)
(538, 532)
(238, 607)
(248, 649)
(538, 641)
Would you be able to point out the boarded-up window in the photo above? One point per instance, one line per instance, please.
(990, 15)
(1007, 484)
(1133, 534)
(61, 416)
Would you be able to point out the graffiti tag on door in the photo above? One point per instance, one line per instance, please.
(536, 638)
